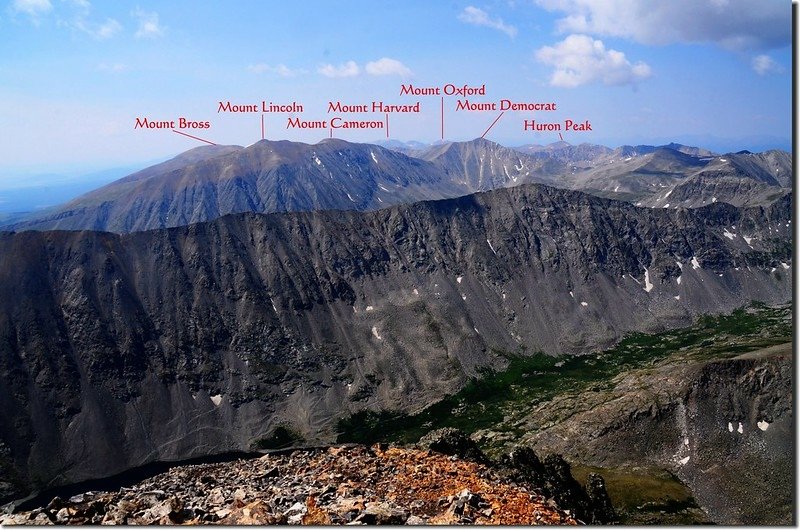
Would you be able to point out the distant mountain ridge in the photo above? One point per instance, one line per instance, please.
(276, 176)
(265, 177)
(481, 165)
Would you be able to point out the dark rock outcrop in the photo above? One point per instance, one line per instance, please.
(553, 476)
(602, 509)
(450, 441)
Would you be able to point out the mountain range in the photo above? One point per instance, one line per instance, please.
(121, 349)
(280, 176)
(216, 300)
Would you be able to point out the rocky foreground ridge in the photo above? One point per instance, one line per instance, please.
(444, 480)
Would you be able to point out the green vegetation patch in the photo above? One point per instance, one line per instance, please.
(281, 437)
(487, 401)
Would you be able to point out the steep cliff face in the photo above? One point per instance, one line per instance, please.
(116, 350)
(724, 427)
(739, 415)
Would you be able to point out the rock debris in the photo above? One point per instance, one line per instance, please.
(336, 485)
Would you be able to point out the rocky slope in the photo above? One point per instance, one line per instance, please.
(481, 165)
(736, 178)
(208, 182)
(117, 350)
(724, 427)
(670, 176)
(268, 176)
(612, 412)
(634, 175)
(183, 160)
(338, 485)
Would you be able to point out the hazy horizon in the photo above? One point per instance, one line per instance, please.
(76, 75)
(41, 191)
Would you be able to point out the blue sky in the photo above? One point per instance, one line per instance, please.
(75, 74)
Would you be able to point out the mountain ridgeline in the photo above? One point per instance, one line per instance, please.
(280, 176)
(121, 349)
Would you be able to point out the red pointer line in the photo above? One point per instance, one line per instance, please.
(387, 125)
(562, 138)
(195, 137)
(262, 126)
(442, 117)
(492, 125)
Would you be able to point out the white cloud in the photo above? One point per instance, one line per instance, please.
(80, 21)
(732, 24)
(479, 17)
(580, 60)
(281, 70)
(33, 8)
(107, 29)
(387, 66)
(103, 31)
(383, 66)
(149, 26)
(83, 4)
(348, 69)
(113, 67)
(764, 64)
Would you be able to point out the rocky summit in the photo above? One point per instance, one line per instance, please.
(337, 485)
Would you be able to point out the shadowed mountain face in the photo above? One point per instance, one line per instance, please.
(117, 350)
(208, 182)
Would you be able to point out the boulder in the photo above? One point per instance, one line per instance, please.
(450, 441)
